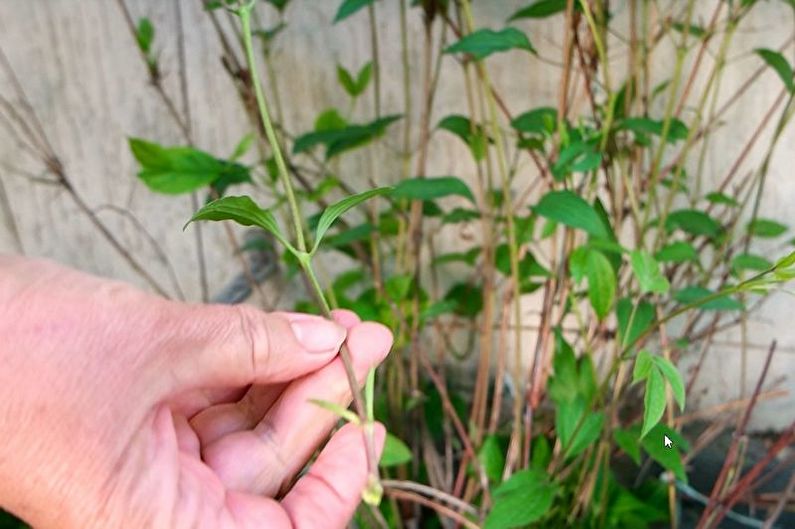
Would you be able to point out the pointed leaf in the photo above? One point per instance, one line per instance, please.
(332, 213)
(567, 208)
(483, 42)
(540, 9)
(777, 61)
(244, 211)
(395, 453)
(643, 365)
(766, 228)
(647, 271)
(653, 400)
(340, 411)
(349, 7)
(524, 498)
(431, 188)
(601, 283)
(674, 378)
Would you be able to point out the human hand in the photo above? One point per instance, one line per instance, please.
(121, 409)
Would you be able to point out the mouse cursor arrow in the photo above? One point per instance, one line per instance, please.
(667, 443)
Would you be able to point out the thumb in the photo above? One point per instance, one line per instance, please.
(234, 346)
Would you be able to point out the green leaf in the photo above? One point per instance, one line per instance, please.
(647, 271)
(579, 157)
(677, 130)
(355, 87)
(346, 80)
(431, 188)
(483, 42)
(721, 198)
(562, 386)
(627, 440)
(542, 453)
(601, 283)
(242, 147)
(586, 435)
(176, 170)
(473, 135)
(653, 400)
(693, 295)
(340, 140)
(766, 228)
(747, 261)
(445, 306)
(349, 7)
(468, 299)
(333, 212)
(395, 453)
(677, 252)
(492, 459)
(524, 498)
(278, 4)
(565, 207)
(338, 410)
(674, 378)
(643, 365)
(244, 211)
(539, 121)
(694, 222)
(669, 458)
(144, 35)
(642, 319)
(540, 9)
(777, 61)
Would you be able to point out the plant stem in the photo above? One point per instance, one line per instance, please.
(245, 20)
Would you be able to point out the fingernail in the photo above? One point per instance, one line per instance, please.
(318, 335)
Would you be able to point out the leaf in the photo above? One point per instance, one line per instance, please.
(468, 299)
(363, 77)
(473, 135)
(579, 157)
(522, 499)
(278, 4)
(747, 261)
(338, 410)
(349, 7)
(694, 222)
(333, 212)
(643, 365)
(567, 208)
(346, 80)
(766, 228)
(540, 9)
(244, 211)
(674, 378)
(601, 283)
(483, 42)
(395, 453)
(431, 188)
(777, 61)
(563, 385)
(144, 35)
(340, 140)
(677, 130)
(669, 458)
(491, 458)
(677, 252)
(354, 87)
(540, 121)
(445, 306)
(647, 271)
(242, 146)
(653, 400)
(721, 198)
(627, 441)
(176, 170)
(693, 295)
(589, 431)
(642, 319)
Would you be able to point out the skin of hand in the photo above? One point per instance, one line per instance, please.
(122, 409)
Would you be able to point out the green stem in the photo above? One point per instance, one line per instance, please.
(245, 20)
